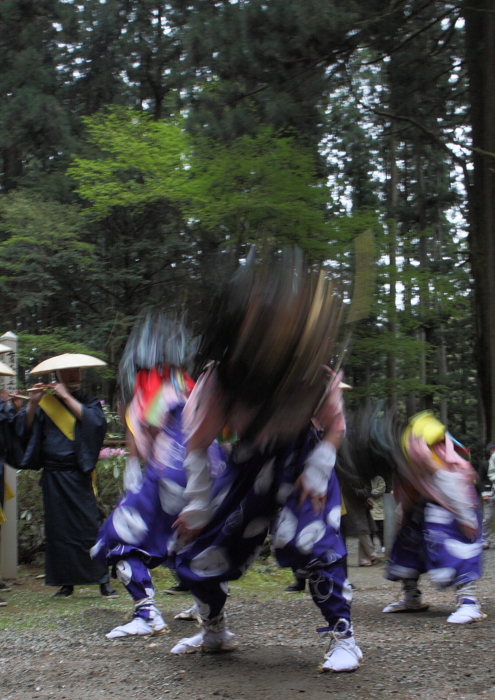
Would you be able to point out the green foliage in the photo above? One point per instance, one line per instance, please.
(33, 349)
(287, 121)
(31, 527)
(259, 188)
(109, 474)
(43, 258)
(42, 253)
(33, 124)
(139, 160)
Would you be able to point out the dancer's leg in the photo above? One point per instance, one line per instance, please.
(332, 593)
(312, 542)
(406, 564)
(210, 597)
(452, 559)
(468, 608)
(147, 620)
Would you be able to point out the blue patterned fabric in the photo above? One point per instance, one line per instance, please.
(141, 523)
(433, 542)
(254, 493)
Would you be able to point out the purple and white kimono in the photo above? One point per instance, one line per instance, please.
(441, 530)
(432, 541)
(136, 535)
(254, 493)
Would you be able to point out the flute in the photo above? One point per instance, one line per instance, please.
(17, 396)
(41, 387)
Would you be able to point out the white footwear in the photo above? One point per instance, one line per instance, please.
(465, 613)
(139, 627)
(215, 636)
(206, 641)
(401, 606)
(189, 645)
(191, 614)
(343, 654)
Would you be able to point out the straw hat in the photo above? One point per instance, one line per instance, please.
(69, 360)
(5, 370)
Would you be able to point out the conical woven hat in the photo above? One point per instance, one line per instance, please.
(69, 360)
(5, 370)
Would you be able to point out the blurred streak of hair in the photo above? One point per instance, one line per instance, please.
(156, 339)
(270, 330)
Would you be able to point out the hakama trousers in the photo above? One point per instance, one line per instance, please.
(252, 495)
(433, 542)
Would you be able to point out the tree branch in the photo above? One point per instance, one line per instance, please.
(411, 37)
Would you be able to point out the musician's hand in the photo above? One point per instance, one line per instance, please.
(17, 402)
(60, 390)
(35, 396)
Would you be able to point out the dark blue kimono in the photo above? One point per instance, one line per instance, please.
(10, 449)
(71, 512)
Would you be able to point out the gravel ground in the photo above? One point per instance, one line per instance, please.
(60, 652)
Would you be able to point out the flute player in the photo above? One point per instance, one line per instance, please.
(63, 433)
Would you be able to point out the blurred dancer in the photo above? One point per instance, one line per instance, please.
(134, 538)
(272, 330)
(441, 520)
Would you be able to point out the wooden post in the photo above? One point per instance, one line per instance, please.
(8, 531)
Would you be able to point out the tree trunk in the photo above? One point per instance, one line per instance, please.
(480, 59)
(441, 345)
(425, 332)
(392, 251)
(12, 167)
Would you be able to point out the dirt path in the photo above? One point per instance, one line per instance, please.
(52, 650)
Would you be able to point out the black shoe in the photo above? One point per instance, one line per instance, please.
(298, 586)
(4, 588)
(64, 592)
(107, 591)
(178, 589)
(3, 603)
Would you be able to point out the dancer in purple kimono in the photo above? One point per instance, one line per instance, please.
(441, 521)
(273, 330)
(134, 538)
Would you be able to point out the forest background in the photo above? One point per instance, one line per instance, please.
(145, 145)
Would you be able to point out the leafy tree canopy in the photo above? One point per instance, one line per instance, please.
(258, 187)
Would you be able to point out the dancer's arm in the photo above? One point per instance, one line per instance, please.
(319, 465)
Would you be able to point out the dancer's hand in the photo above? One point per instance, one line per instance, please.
(184, 534)
(317, 501)
(469, 532)
(330, 417)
